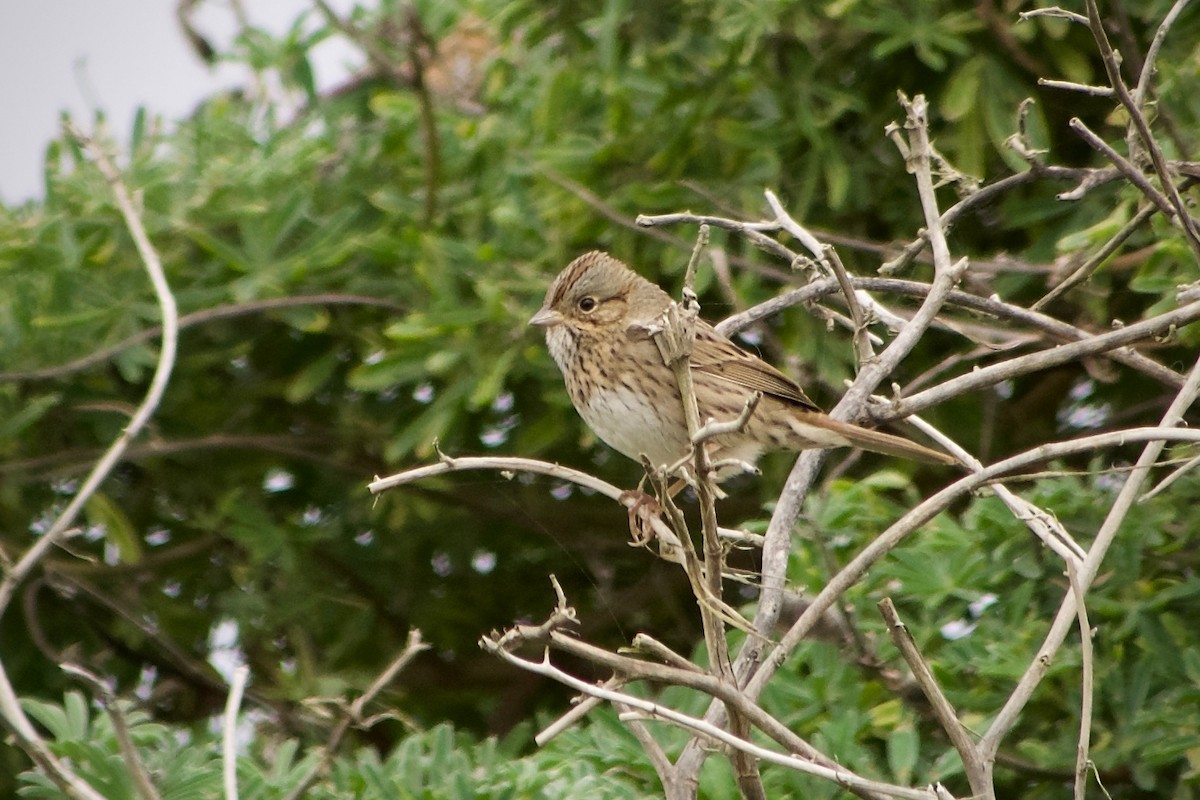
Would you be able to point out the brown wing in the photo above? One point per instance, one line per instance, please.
(713, 354)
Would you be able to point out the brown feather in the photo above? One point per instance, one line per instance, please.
(713, 354)
(886, 443)
(598, 315)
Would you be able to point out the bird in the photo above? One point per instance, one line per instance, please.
(599, 317)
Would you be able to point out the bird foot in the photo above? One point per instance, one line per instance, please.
(642, 508)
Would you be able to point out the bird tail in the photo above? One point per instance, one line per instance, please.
(888, 444)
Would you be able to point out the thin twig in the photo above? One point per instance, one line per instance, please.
(583, 705)
(32, 743)
(1071, 86)
(942, 710)
(828, 258)
(1085, 701)
(751, 230)
(158, 384)
(109, 702)
(785, 222)
(1053, 12)
(650, 746)
(738, 424)
(862, 337)
(636, 669)
(712, 732)
(1138, 123)
(1141, 92)
(413, 647)
(1166, 482)
(428, 117)
(615, 216)
(229, 731)
(1041, 524)
(917, 152)
(751, 667)
(1086, 269)
(675, 340)
(939, 502)
(1045, 359)
(10, 708)
(1127, 169)
(505, 465)
(648, 644)
(1007, 717)
(987, 305)
(230, 311)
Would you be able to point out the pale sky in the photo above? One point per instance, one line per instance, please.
(115, 55)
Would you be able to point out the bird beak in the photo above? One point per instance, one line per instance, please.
(546, 318)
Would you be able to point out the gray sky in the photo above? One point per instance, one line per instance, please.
(115, 55)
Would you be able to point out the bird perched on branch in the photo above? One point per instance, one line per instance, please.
(600, 318)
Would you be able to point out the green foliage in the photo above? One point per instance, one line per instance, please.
(245, 503)
(438, 763)
(976, 591)
(88, 739)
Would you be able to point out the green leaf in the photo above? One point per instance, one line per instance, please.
(1097, 233)
(903, 750)
(52, 717)
(35, 408)
(315, 375)
(118, 530)
(393, 369)
(492, 382)
(837, 180)
(309, 319)
(962, 91)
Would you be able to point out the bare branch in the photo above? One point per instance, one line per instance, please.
(1128, 170)
(713, 428)
(862, 338)
(1086, 269)
(1043, 525)
(582, 706)
(507, 466)
(986, 305)
(1044, 359)
(129, 754)
(777, 545)
(413, 647)
(229, 731)
(1142, 91)
(714, 733)
(10, 708)
(977, 773)
(193, 319)
(666, 771)
(158, 384)
(31, 742)
(934, 505)
(1082, 88)
(785, 222)
(1007, 717)
(1085, 709)
(1166, 482)
(1138, 123)
(751, 230)
(1054, 13)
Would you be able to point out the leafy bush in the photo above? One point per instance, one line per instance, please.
(355, 276)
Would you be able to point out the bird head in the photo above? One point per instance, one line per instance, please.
(595, 292)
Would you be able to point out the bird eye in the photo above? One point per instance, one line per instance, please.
(586, 304)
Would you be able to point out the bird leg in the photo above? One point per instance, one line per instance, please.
(641, 508)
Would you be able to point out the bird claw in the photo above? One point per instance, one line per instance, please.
(642, 509)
